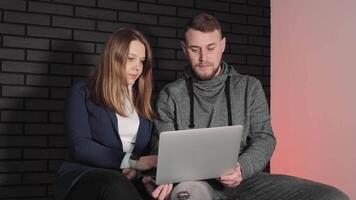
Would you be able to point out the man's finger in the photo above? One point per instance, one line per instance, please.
(163, 193)
(157, 191)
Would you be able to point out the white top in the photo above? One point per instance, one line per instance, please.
(128, 127)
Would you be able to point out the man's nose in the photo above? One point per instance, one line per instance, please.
(202, 55)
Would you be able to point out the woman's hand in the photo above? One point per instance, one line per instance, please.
(146, 162)
(129, 173)
(161, 192)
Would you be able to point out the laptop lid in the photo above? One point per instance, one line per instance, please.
(197, 154)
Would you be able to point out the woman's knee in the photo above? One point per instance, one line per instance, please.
(192, 190)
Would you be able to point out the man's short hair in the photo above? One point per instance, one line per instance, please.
(203, 22)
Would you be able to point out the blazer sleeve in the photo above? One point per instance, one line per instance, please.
(82, 147)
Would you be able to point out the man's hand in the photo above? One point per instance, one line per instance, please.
(162, 192)
(146, 162)
(232, 179)
(129, 173)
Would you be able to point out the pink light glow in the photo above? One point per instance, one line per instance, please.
(313, 91)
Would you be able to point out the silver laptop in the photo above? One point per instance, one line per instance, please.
(197, 154)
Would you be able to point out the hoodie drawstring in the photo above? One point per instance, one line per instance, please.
(191, 100)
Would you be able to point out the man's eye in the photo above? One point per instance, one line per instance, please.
(195, 50)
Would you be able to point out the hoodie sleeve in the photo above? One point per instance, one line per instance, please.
(261, 142)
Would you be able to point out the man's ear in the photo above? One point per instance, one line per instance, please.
(184, 47)
(223, 44)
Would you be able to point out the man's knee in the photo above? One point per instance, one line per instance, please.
(192, 190)
(335, 194)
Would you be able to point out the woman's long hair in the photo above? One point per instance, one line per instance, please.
(108, 85)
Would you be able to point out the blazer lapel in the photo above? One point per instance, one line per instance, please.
(113, 119)
(142, 136)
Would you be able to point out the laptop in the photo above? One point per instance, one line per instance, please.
(197, 154)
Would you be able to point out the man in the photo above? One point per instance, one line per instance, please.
(210, 94)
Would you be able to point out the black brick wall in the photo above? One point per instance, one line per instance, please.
(46, 45)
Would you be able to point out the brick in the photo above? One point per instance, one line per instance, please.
(32, 178)
(137, 18)
(188, 12)
(246, 9)
(265, 3)
(172, 65)
(235, 59)
(59, 93)
(26, 18)
(22, 191)
(56, 117)
(44, 129)
(54, 165)
(235, 1)
(245, 29)
(266, 31)
(26, 42)
(47, 56)
(10, 129)
(258, 60)
(267, 71)
(13, 5)
(73, 46)
(78, 70)
(245, 49)
(172, 21)
(20, 91)
(118, 5)
(10, 153)
(158, 31)
(8, 78)
(47, 80)
(169, 43)
(235, 39)
(22, 166)
(23, 116)
(49, 32)
(44, 153)
(266, 51)
(112, 26)
(15, 54)
(76, 23)
(95, 13)
(267, 12)
(50, 8)
(260, 21)
(85, 59)
(58, 141)
(231, 18)
(10, 179)
(27, 67)
(212, 5)
(164, 53)
(180, 55)
(164, 75)
(12, 29)
(250, 70)
(90, 36)
(23, 141)
(48, 105)
(99, 48)
(77, 2)
(11, 103)
(157, 9)
(264, 41)
(187, 3)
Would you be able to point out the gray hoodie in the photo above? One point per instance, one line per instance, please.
(248, 108)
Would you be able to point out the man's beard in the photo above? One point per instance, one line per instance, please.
(203, 76)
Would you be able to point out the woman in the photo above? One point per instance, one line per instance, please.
(108, 123)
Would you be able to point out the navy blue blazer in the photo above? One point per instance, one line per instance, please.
(93, 138)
